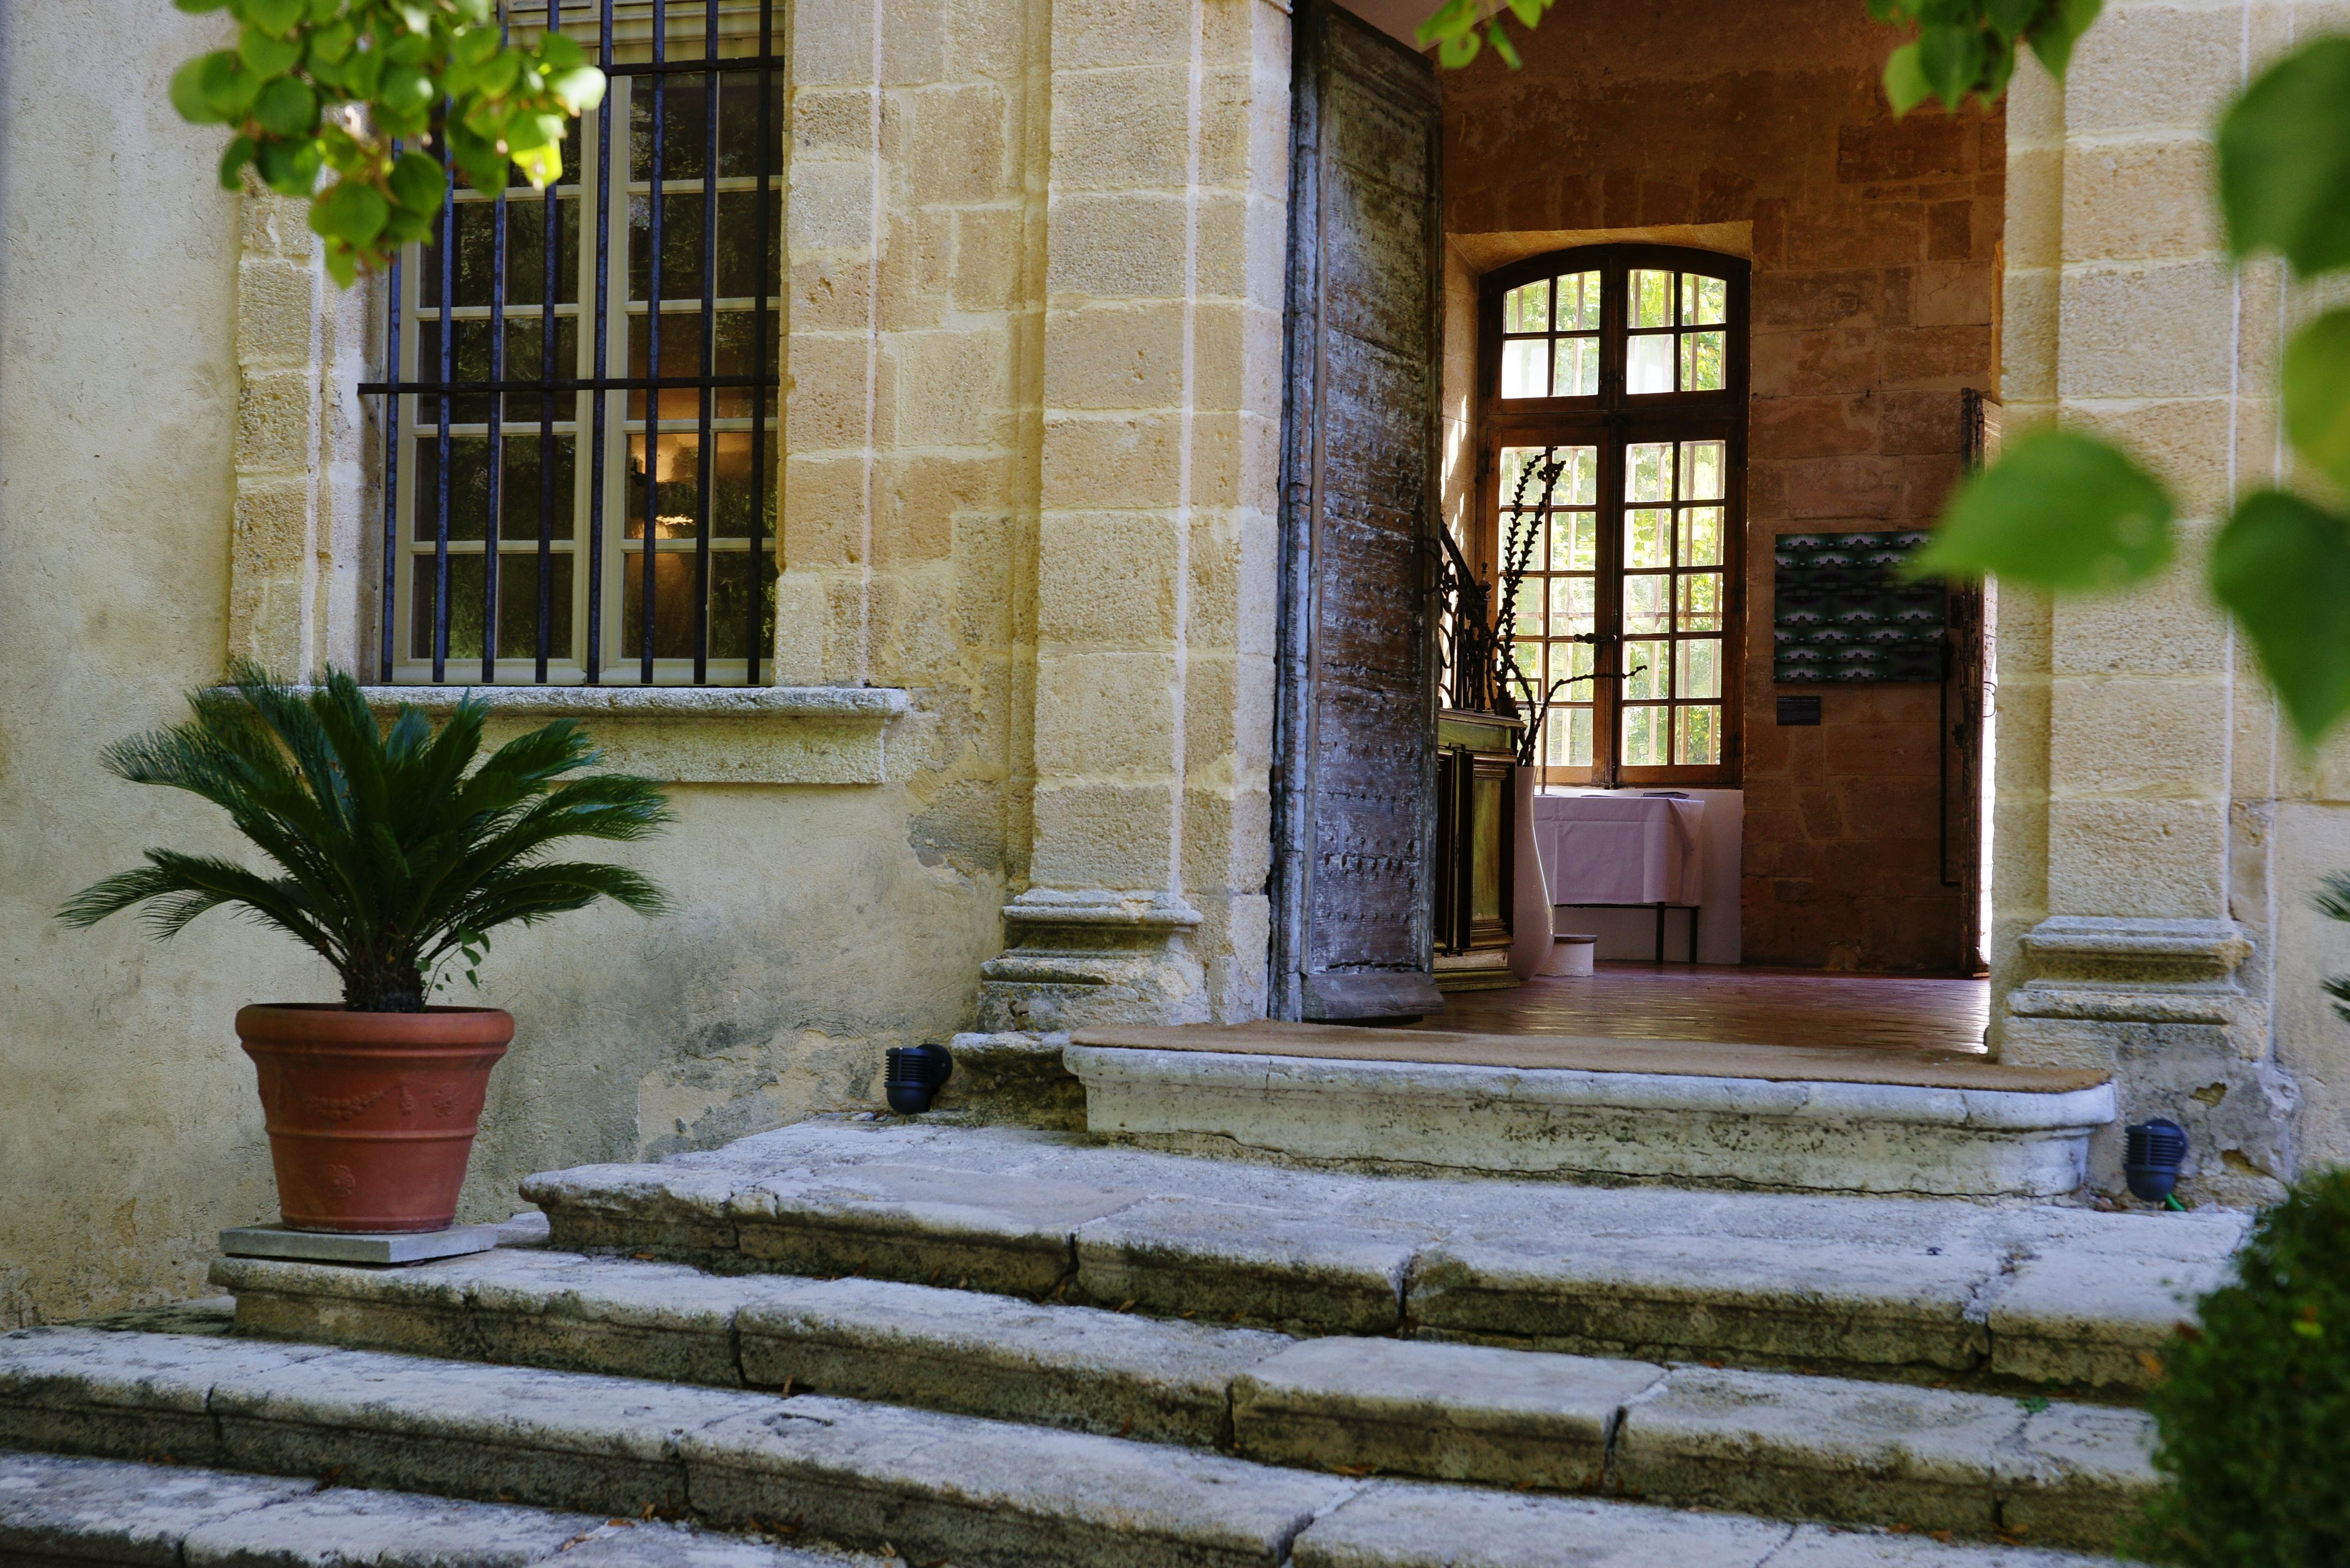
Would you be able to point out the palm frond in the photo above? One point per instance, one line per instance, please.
(395, 843)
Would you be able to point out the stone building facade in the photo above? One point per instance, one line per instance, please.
(1021, 711)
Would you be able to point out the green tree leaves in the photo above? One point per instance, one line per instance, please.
(2284, 160)
(2060, 510)
(2282, 569)
(316, 88)
(1461, 29)
(1969, 45)
(2317, 394)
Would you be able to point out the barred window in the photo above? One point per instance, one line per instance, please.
(1624, 365)
(587, 378)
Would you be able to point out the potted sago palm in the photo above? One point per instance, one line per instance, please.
(397, 851)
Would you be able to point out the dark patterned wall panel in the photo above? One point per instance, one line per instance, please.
(1844, 616)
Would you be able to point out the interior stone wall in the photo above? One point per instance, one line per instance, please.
(1762, 129)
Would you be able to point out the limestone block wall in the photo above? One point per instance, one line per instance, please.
(1760, 130)
(2157, 835)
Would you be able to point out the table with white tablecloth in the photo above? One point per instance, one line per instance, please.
(1622, 849)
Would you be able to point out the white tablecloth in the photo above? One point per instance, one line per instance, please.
(1620, 848)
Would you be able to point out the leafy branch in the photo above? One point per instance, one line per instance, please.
(383, 96)
(1461, 29)
(1967, 46)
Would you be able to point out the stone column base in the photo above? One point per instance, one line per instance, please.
(2158, 1004)
(1095, 957)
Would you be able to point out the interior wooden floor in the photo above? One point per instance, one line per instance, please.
(1750, 1006)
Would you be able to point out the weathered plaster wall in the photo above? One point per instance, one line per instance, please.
(1760, 129)
(2159, 836)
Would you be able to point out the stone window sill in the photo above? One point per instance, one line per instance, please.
(698, 734)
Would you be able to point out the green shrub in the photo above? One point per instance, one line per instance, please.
(2254, 1404)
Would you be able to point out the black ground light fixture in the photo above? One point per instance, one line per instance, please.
(915, 1075)
(2152, 1153)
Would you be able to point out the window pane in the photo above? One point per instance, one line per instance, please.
(1651, 299)
(1527, 309)
(1644, 737)
(1515, 462)
(738, 126)
(1522, 530)
(1649, 364)
(1700, 602)
(469, 486)
(732, 493)
(1696, 738)
(1701, 537)
(1705, 301)
(681, 246)
(1568, 659)
(731, 575)
(1649, 471)
(1700, 671)
(738, 243)
(525, 254)
(1576, 373)
(1527, 656)
(1579, 484)
(1574, 542)
(1648, 539)
(682, 104)
(675, 482)
(1530, 607)
(681, 353)
(1645, 609)
(673, 580)
(1525, 368)
(1571, 606)
(1701, 362)
(518, 499)
(1578, 302)
(469, 360)
(1701, 477)
(517, 606)
(1646, 666)
(1568, 737)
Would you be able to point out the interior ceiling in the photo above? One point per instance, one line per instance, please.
(1397, 18)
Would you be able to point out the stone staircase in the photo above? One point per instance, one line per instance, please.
(1000, 1344)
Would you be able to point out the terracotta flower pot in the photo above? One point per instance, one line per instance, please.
(371, 1115)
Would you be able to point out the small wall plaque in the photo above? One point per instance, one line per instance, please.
(1841, 617)
(1799, 709)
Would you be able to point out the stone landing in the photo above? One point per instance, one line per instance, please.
(1940, 1123)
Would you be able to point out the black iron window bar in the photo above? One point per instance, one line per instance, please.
(480, 497)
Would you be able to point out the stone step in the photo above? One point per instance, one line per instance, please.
(1923, 1289)
(57, 1510)
(1749, 1117)
(1773, 1443)
(927, 1487)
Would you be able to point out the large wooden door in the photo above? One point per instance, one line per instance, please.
(1355, 754)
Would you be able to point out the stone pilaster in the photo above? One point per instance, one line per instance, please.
(2162, 1004)
(1166, 235)
(2126, 937)
(1096, 957)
